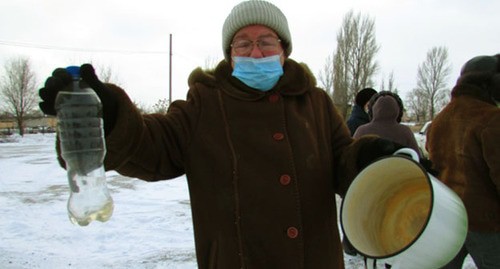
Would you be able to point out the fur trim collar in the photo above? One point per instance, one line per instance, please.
(476, 85)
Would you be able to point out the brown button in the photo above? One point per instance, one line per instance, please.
(292, 232)
(278, 136)
(273, 98)
(285, 180)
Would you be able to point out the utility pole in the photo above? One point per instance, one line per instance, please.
(170, 74)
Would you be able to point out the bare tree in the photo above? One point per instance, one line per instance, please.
(417, 105)
(431, 79)
(390, 84)
(105, 74)
(340, 85)
(18, 90)
(354, 59)
(325, 76)
(141, 107)
(161, 106)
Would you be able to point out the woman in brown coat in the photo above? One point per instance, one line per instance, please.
(463, 143)
(263, 149)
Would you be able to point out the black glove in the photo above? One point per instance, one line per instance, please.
(427, 165)
(374, 150)
(381, 147)
(61, 80)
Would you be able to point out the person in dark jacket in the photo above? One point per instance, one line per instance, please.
(359, 115)
(385, 110)
(464, 146)
(263, 148)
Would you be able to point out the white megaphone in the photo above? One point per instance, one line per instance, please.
(396, 212)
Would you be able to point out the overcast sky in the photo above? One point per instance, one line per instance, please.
(132, 37)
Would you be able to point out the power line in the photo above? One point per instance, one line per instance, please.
(52, 47)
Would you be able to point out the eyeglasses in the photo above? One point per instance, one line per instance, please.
(265, 44)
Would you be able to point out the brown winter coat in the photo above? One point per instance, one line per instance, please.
(262, 168)
(464, 146)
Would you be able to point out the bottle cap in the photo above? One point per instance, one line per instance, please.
(74, 71)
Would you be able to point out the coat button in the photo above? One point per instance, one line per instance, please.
(273, 98)
(278, 136)
(292, 232)
(285, 180)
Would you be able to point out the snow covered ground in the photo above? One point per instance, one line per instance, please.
(150, 228)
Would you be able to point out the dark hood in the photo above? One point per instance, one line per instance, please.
(385, 109)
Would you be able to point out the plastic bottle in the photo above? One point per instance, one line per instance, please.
(83, 148)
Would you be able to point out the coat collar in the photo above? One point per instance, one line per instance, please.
(475, 85)
(296, 80)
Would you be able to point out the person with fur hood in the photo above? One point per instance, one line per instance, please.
(463, 144)
(263, 148)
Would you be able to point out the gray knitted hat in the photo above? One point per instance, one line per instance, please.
(255, 12)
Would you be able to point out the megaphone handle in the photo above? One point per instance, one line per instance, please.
(374, 264)
(369, 264)
(408, 151)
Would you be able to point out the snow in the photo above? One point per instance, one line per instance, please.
(151, 226)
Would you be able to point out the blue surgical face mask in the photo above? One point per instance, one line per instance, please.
(258, 73)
